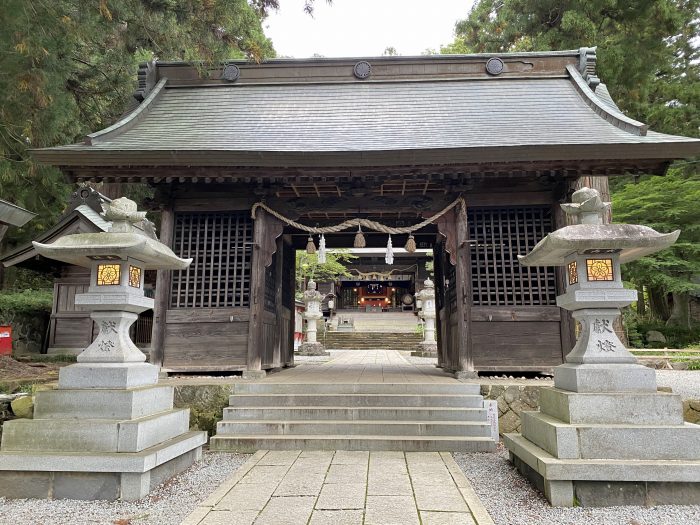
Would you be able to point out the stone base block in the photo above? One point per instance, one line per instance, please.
(128, 403)
(591, 378)
(94, 435)
(90, 476)
(254, 374)
(612, 408)
(466, 374)
(426, 350)
(94, 485)
(312, 349)
(634, 442)
(588, 482)
(107, 375)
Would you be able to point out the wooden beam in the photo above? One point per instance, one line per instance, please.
(257, 293)
(162, 292)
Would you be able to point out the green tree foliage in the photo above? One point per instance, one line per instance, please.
(307, 267)
(664, 203)
(68, 68)
(649, 57)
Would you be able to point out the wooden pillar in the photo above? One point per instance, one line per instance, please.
(465, 359)
(257, 294)
(162, 292)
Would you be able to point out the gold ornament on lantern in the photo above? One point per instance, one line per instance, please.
(310, 246)
(359, 238)
(410, 244)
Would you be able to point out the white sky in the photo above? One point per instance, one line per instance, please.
(363, 27)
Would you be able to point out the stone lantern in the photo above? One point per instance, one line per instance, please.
(108, 431)
(604, 435)
(426, 299)
(312, 300)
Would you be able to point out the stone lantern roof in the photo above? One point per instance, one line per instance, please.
(122, 240)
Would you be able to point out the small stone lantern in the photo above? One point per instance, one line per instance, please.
(603, 435)
(109, 431)
(426, 299)
(312, 299)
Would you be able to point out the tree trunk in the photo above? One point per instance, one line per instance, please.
(658, 304)
(641, 302)
(680, 312)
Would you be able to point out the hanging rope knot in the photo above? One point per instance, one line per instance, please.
(359, 223)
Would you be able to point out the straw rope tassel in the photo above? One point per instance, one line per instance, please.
(410, 244)
(310, 246)
(359, 238)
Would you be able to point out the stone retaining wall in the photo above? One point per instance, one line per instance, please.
(513, 399)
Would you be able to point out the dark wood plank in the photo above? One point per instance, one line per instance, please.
(462, 284)
(199, 315)
(515, 313)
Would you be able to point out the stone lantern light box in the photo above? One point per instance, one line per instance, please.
(109, 431)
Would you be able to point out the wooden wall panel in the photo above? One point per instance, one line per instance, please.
(206, 346)
(516, 346)
(71, 332)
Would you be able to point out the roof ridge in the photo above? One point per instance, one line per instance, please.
(127, 122)
(617, 118)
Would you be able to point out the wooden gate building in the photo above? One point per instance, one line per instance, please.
(394, 139)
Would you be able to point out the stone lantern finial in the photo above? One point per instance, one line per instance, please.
(123, 213)
(587, 206)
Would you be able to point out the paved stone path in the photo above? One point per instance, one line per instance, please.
(362, 366)
(344, 488)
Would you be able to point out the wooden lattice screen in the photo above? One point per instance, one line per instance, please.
(498, 236)
(220, 245)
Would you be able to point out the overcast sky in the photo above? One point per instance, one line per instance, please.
(363, 27)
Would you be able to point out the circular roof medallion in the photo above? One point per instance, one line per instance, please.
(362, 70)
(494, 66)
(231, 72)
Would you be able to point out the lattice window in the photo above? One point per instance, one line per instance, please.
(498, 236)
(220, 245)
(271, 285)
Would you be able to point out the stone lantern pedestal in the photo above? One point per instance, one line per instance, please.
(312, 299)
(109, 431)
(604, 435)
(428, 313)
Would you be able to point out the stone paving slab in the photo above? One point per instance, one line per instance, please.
(344, 488)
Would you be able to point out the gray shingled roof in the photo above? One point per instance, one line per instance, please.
(483, 119)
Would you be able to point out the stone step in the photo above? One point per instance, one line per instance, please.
(104, 403)
(587, 441)
(344, 413)
(251, 443)
(357, 388)
(613, 408)
(353, 428)
(94, 435)
(352, 400)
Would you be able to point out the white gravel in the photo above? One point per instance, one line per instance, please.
(511, 500)
(169, 504)
(683, 382)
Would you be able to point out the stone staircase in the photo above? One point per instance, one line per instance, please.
(404, 322)
(354, 416)
(372, 341)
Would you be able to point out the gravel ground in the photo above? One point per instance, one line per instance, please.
(683, 382)
(511, 500)
(169, 504)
